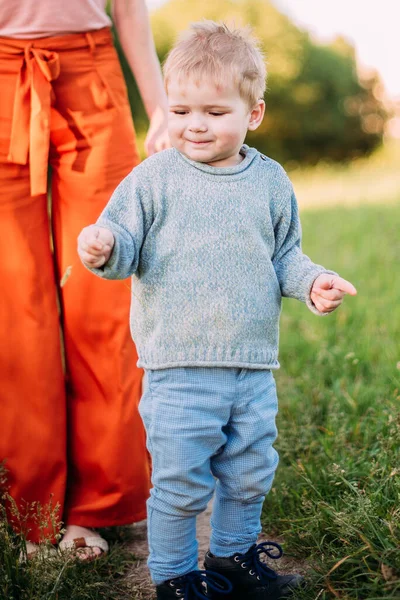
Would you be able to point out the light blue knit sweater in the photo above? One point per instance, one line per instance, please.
(211, 251)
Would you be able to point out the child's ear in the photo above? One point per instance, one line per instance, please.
(256, 115)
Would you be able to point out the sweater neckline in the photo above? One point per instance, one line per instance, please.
(248, 153)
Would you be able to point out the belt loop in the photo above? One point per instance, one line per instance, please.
(91, 42)
(92, 45)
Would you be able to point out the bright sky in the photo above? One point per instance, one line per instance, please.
(372, 27)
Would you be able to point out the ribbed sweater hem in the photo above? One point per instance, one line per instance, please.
(207, 358)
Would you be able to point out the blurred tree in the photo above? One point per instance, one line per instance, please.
(317, 108)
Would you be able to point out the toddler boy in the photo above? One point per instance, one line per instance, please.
(210, 233)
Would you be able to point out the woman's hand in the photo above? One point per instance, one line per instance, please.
(157, 137)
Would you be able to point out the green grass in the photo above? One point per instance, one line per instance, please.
(336, 497)
(62, 577)
(371, 180)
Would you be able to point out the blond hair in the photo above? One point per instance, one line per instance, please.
(215, 51)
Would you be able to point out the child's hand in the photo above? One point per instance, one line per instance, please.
(328, 291)
(95, 245)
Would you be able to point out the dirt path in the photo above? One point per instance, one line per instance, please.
(139, 575)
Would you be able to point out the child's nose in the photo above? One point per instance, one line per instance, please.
(198, 124)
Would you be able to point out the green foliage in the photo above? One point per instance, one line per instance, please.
(59, 576)
(323, 111)
(62, 577)
(336, 497)
(316, 106)
(138, 112)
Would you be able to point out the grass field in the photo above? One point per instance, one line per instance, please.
(373, 180)
(336, 497)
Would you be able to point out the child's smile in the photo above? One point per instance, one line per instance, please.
(208, 123)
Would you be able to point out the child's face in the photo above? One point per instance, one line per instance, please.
(208, 123)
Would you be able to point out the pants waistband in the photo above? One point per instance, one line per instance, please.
(58, 43)
(40, 66)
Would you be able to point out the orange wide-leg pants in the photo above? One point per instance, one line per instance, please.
(69, 385)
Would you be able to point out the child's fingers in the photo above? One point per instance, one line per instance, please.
(92, 261)
(90, 235)
(332, 294)
(95, 245)
(93, 242)
(326, 281)
(323, 304)
(343, 285)
(318, 306)
(91, 246)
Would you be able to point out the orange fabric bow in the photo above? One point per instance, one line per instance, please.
(30, 132)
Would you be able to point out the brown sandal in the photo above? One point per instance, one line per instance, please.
(85, 542)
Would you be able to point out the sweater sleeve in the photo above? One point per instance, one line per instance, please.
(128, 216)
(295, 271)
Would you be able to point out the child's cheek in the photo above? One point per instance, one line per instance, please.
(231, 137)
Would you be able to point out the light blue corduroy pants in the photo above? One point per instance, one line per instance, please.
(207, 428)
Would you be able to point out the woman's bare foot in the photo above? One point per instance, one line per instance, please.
(86, 543)
(32, 551)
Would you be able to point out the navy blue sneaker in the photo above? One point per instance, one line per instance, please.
(193, 585)
(251, 578)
